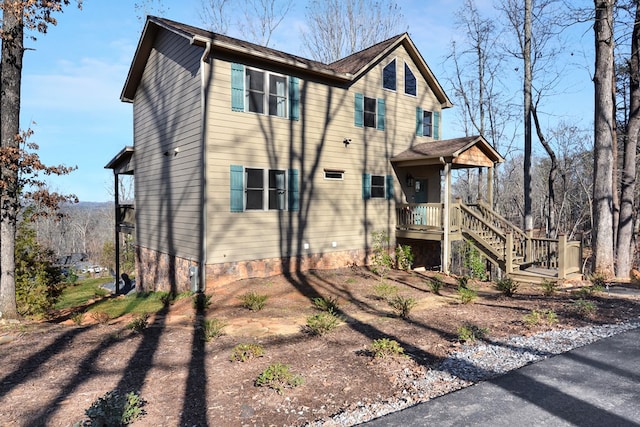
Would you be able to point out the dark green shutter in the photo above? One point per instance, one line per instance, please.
(419, 119)
(359, 110)
(380, 114)
(366, 186)
(237, 87)
(436, 125)
(237, 188)
(294, 191)
(294, 98)
(389, 187)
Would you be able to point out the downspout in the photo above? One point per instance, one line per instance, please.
(204, 86)
(446, 220)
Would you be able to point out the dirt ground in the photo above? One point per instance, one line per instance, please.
(51, 372)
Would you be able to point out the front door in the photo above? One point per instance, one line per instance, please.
(421, 191)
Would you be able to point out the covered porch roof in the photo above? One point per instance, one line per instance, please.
(465, 152)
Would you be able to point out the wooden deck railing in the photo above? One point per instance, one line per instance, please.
(501, 240)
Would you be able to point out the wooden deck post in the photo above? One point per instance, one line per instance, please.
(446, 220)
(508, 254)
(528, 251)
(562, 256)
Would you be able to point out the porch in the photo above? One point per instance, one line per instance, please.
(519, 254)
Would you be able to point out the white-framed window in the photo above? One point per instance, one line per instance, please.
(266, 93)
(410, 83)
(334, 174)
(389, 80)
(265, 189)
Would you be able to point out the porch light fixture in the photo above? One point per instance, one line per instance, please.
(409, 180)
(346, 142)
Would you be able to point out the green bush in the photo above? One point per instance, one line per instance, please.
(384, 290)
(39, 282)
(326, 304)
(278, 377)
(507, 286)
(435, 285)
(467, 296)
(322, 323)
(549, 287)
(139, 322)
(463, 282)
(403, 305)
(115, 409)
(384, 347)
(475, 262)
(468, 333)
(212, 328)
(381, 262)
(244, 352)
(584, 308)
(201, 301)
(253, 301)
(404, 257)
(536, 317)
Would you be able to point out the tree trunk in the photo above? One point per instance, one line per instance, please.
(603, 140)
(552, 229)
(10, 80)
(624, 248)
(528, 214)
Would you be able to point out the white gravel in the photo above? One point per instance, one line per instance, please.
(478, 362)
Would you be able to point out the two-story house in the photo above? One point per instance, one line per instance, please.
(249, 161)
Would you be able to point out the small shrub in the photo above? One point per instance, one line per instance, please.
(463, 282)
(201, 301)
(244, 352)
(584, 308)
(322, 323)
(212, 328)
(435, 285)
(549, 287)
(115, 409)
(278, 377)
(101, 292)
(536, 317)
(381, 262)
(384, 290)
(598, 280)
(384, 347)
(403, 305)
(166, 298)
(253, 301)
(139, 323)
(507, 286)
(404, 257)
(77, 317)
(101, 317)
(475, 262)
(467, 295)
(326, 304)
(469, 333)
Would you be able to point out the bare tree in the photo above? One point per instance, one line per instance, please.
(624, 248)
(149, 7)
(603, 138)
(260, 18)
(338, 28)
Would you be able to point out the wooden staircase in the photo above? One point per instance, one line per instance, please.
(517, 253)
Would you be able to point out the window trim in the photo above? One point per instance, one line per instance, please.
(334, 171)
(266, 93)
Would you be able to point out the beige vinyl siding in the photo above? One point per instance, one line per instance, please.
(167, 115)
(330, 211)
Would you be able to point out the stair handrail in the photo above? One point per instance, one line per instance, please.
(486, 226)
(504, 224)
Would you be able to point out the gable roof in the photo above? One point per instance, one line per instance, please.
(447, 149)
(345, 70)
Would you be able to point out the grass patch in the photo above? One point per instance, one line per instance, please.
(384, 290)
(212, 328)
(139, 303)
(81, 292)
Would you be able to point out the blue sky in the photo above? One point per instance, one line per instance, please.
(73, 77)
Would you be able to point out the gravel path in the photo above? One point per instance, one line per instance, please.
(479, 362)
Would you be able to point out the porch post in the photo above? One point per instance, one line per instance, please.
(446, 219)
(490, 186)
(117, 230)
(562, 256)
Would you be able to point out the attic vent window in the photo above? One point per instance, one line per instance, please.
(410, 87)
(389, 76)
(334, 174)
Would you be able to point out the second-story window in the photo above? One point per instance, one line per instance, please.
(369, 112)
(410, 85)
(266, 92)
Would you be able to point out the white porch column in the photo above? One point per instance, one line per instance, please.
(490, 186)
(446, 218)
